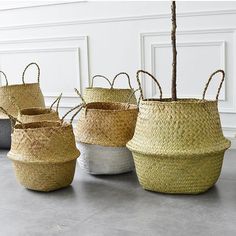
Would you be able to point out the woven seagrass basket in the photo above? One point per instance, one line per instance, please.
(25, 95)
(44, 155)
(97, 94)
(38, 114)
(102, 131)
(178, 146)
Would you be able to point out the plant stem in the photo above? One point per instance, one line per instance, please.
(174, 51)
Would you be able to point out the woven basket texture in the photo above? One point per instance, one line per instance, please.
(184, 127)
(178, 146)
(97, 159)
(106, 124)
(19, 96)
(44, 155)
(181, 174)
(97, 94)
(37, 114)
(25, 95)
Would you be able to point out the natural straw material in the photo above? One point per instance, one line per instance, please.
(178, 146)
(37, 114)
(44, 154)
(25, 95)
(97, 94)
(106, 124)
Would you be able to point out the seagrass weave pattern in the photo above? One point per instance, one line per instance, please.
(37, 114)
(25, 95)
(107, 124)
(97, 94)
(44, 154)
(178, 146)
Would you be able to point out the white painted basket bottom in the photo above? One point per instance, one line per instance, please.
(96, 159)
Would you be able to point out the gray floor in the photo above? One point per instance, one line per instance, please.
(116, 205)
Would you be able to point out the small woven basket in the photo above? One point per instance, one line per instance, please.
(106, 124)
(178, 146)
(102, 131)
(96, 94)
(44, 155)
(38, 114)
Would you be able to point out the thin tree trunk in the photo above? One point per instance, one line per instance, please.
(174, 51)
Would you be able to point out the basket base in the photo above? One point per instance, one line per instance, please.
(179, 175)
(101, 160)
(45, 177)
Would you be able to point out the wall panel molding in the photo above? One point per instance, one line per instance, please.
(209, 37)
(76, 45)
(117, 19)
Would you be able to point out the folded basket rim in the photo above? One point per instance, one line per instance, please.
(17, 85)
(123, 106)
(38, 111)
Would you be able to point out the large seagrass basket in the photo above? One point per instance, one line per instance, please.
(102, 131)
(25, 95)
(97, 94)
(44, 155)
(38, 114)
(178, 146)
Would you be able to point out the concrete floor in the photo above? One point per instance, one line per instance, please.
(116, 205)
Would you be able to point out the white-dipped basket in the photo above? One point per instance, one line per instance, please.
(97, 159)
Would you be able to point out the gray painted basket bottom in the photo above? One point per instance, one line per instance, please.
(101, 160)
(5, 134)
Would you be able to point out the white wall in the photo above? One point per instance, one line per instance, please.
(72, 41)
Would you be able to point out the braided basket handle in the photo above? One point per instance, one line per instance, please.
(80, 95)
(139, 83)
(12, 118)
(58, 99)
(101, 76)
(130, 97)
(121, 73)
(32, 63)
(209, 80)
(5, 77)
(79, 107)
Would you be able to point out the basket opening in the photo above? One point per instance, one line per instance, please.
(110, 106)
(35, 111)
(179, 100)
(36, 125)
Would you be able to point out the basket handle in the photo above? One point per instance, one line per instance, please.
(58, 99)
(12, 118)
(101, 76)
(32, 63)
(80, 106)
(209, 80)
(121, 73)
(155, 80)
(80, 95)
(130, 96)
(4, 77)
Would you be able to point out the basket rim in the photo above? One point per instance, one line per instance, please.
(45, 125)
(184, 154)
(101, 88)
(177, 154)
(169, 101)
(17, 85)
(130, 107)
(47, 111)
